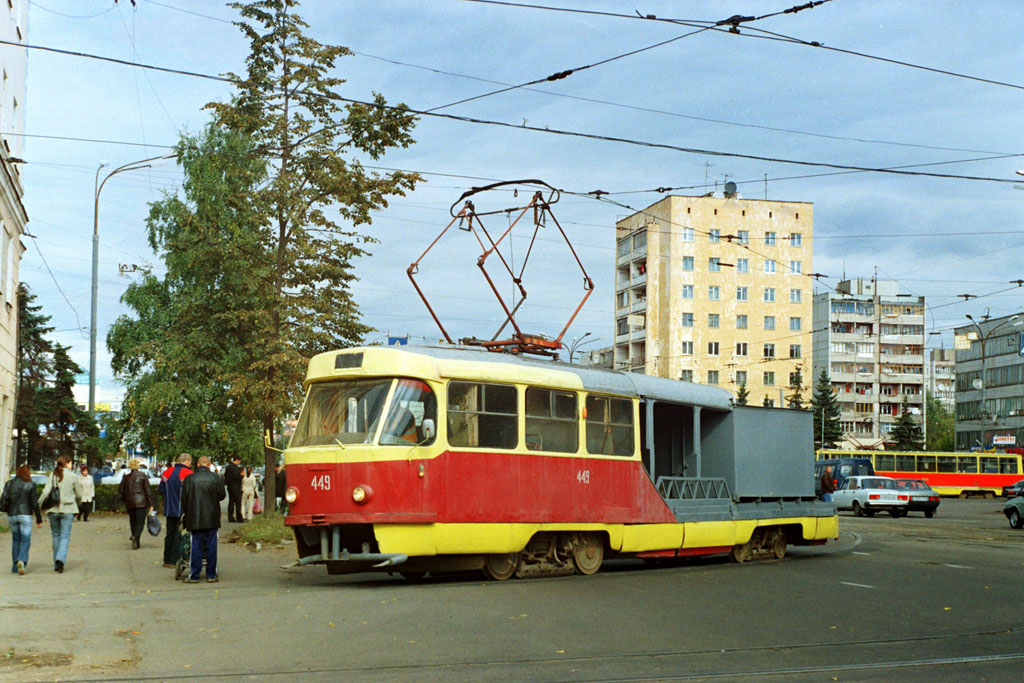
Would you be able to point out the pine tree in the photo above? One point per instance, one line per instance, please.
(825, 405)
(906, 435)
(940, 435)
(34, 367)
(767, 402)
(742, 395)
(796, 399)
(68, 425)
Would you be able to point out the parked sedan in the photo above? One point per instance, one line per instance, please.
(116, 477)
(1014, 511)
(865, 495)
(1014, 490)
(923, 498)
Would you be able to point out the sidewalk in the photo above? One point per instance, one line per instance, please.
(97, 619)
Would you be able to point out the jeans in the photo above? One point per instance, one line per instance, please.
(137, 521)
(172, 540)
(827, 497)
(204, 542)
(21, 539)
(60, 529)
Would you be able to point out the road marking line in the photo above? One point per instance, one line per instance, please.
(857, 552)
(857, 585)
(958, 566)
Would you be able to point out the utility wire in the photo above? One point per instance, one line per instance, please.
(538, 129)
(57, 284)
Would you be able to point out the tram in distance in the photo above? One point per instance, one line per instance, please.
(454, 458)
(951, 474)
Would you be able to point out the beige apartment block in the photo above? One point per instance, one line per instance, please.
(715, 290)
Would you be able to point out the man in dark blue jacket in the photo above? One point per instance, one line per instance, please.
(170, 486)
(201, 494)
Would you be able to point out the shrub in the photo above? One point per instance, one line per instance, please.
(264, 530)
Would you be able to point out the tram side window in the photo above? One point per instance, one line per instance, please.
(482, 415)
(551, 421)
(413, 402)
(990, 465)
(884, 463)
(904, 463)
(609, 426)
(947, 463)
(967, 464)
(926, 463)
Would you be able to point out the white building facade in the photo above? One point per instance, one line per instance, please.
(13, 61)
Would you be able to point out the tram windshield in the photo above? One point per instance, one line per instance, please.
(349, 412)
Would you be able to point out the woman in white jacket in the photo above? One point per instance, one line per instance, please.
(88, 494)
(248, 493)
(61, 515)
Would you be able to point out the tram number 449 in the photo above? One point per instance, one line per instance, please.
(583, 476)
(321, 482)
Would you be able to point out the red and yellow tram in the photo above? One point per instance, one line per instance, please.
(425, 459)
(951, 474)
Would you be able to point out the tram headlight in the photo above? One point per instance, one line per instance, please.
(362, 494)
(291, 495)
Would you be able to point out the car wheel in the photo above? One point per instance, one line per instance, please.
(929, 513)
(1016, 521)
(858, 511)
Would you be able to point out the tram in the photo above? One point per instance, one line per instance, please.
(951, 474)
(450, 458)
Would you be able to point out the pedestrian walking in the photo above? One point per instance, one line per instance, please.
(233, 480)
(19, 502)
(170, 486)
(280, 486)
(828, 484)
(248, 493)
(137, 498)
(201, 494)
(88, 495)
(63, 513)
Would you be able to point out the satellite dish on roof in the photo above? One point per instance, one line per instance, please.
(730, 189)
(977, 384)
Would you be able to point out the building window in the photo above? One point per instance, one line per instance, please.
(712, 320)
(687, 348)
(741, 377)
(741, 348)
(743, 237)
(687, 319)
(769, 379)
(687, 234)
(688, 263)
(714, 236)
(742, 265)
(769, 350)
(714, 293)
(741, 293)
(796, 267)
(714, 264)
(686, 375)
(712, 348)
(794, 324)
(741, 322)
(769, 294)
(712, 376)
(793, 378)
(769, 239)
(796, 239)
(687, 291)
(769, 265)
(794, 351)
(795, 296)
(622, 326)
(769, 322)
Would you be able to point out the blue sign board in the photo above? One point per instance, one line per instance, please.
(1020, 344)
(398, 341)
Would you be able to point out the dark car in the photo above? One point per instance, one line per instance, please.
(1014, 511)
(101, 472)
(1014, 490)
(923, 498)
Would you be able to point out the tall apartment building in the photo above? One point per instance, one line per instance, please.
(870, 339)
(940, 377)
(990, 404)
(13, 25)
(714, 290)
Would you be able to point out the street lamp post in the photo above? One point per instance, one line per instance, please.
(983, 337)
(577, 342)
(97, 188)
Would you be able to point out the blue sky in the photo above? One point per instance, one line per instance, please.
(711, 91)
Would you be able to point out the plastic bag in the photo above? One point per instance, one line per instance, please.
(257, 507)
(153, 524)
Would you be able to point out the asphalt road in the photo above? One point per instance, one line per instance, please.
(892, 599)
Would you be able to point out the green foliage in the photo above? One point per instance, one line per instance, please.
(825, 405)
(742, 395)
(796, 399)
(268, 528)
(767, 402)
(939, 424)
(906, 435)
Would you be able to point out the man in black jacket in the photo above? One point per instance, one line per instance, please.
(233, 479)
(201, 494)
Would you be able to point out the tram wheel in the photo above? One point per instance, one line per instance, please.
(740, 553)
(588, 553)
(501, 567)
(777, 543)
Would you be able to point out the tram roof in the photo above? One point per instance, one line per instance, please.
(592, 379)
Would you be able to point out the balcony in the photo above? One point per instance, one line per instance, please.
(638, 279)
(638, 306)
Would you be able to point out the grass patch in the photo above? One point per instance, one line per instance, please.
(264, 530)
(4, 529)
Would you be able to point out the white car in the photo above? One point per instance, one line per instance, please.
(116, 477)
(865, 495)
